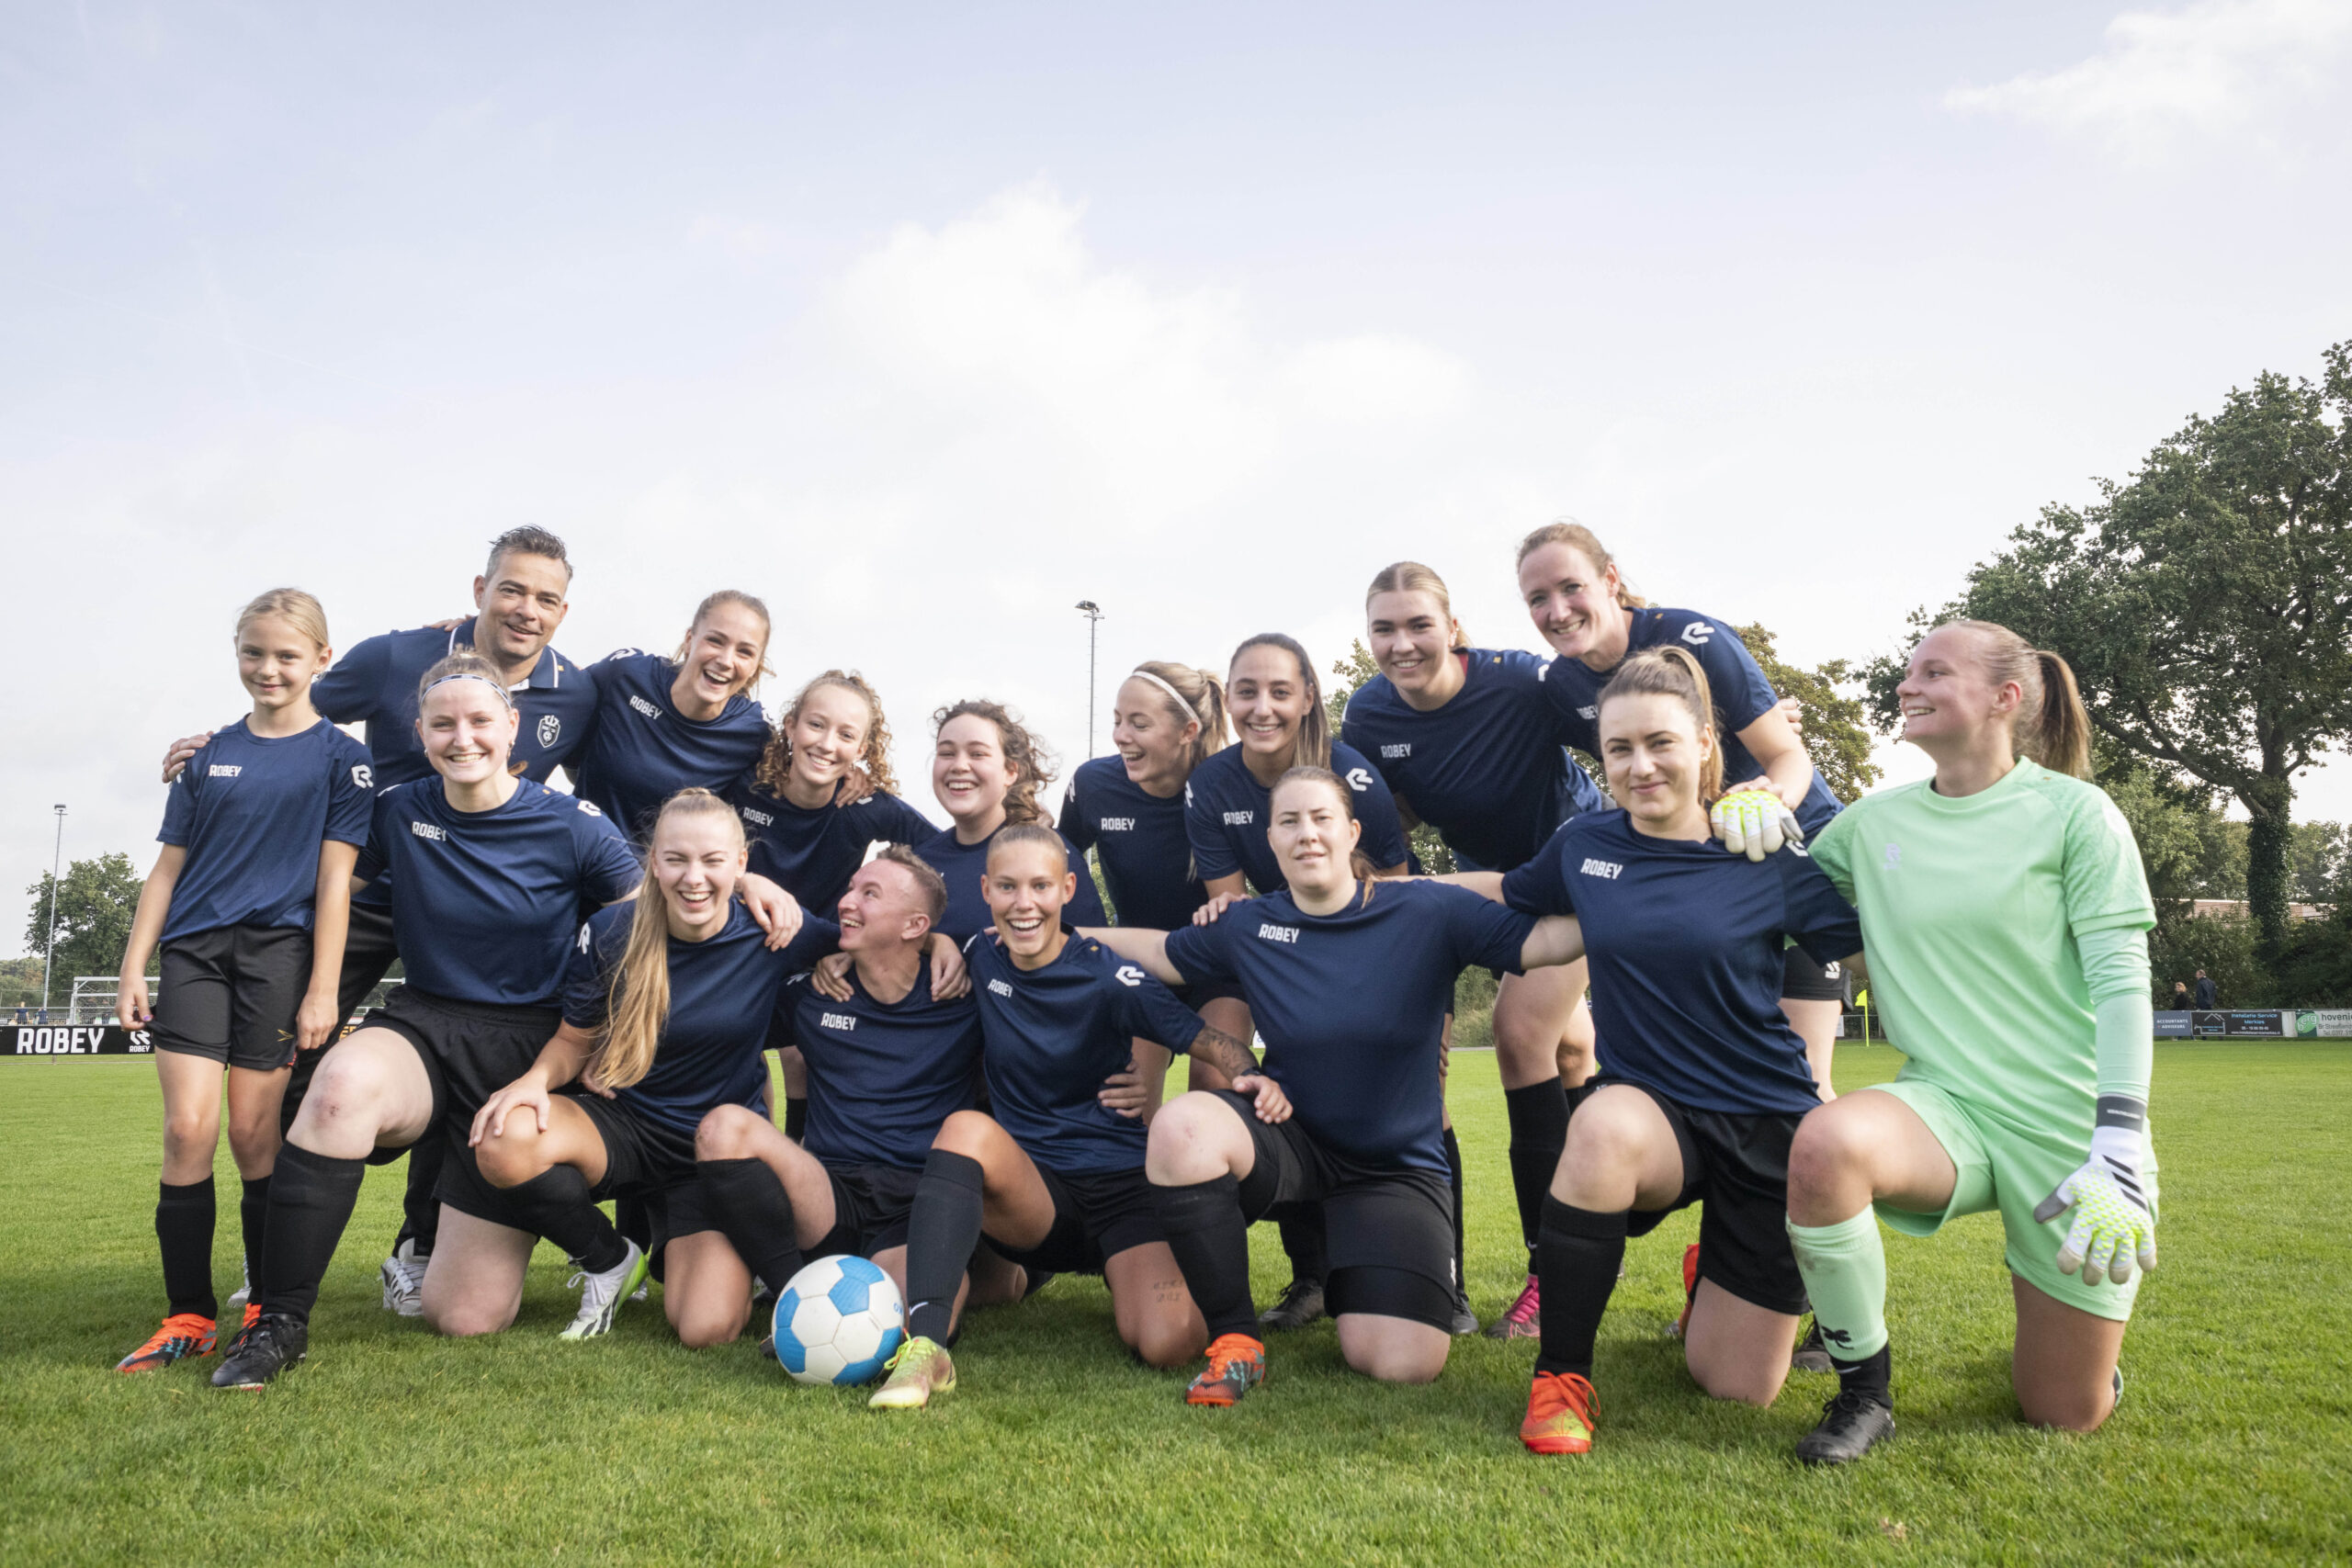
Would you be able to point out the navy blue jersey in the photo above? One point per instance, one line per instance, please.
(1052, 1035)
(485, 904)
(375, 683)
(1147, 857)
(1687, 943)
(722, 994)
(882, 1076)
(251, 811)
(1352, 1006)
(1742, 697)
(643, 751)
(1225, 816)
(1486, 769)
(812, 855)
(963, 867)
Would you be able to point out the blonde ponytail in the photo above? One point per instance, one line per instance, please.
(637, 998)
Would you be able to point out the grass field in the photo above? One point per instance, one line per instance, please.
(2234, 1444)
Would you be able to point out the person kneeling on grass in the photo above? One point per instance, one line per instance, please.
(2024, 1083)
(666, 1002)
(1349, 980)
(1052, 1175)
(1702, 1079)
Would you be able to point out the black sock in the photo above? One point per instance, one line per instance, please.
(310, 1199)
(633, 1217)
(1303, 1243)
(555, 1203)
(1872, 1375)
(1453, 1178)
(796, 1117)
(253, 1218)
(755, 1216)
(420, 1208)
(1211, 1241)
(1581, 1093)
(1538, 1130)
(1578, 1253)
(184, 1229)
(941, 1235)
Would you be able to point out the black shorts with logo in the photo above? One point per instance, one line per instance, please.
(469, 1050)
(230, 995)
(643, 1159)
(1390, 1228)
(1736, 1165)
(1804, 978)
(1098, 1215)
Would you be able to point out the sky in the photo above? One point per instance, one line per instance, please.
(925, 324)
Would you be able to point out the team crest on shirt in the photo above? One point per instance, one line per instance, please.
(549, 728)
(1893, 855)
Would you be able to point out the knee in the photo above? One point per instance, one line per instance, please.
(1163, 1344)
(253, 1140)
(464, 1319)
(512, 1157)
(963, 1133)
(190, 1131)
(1396, 1363)
(699, 1329)
(1825, 1152)
(2067, 1410)
(730, 1133)
(1742, 1385)
(342, 1094)
(1183, 1148)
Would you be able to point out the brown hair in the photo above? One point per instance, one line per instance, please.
(1412, 577)
(1312, 747)
(527, 541)
(636, 996)
(1024, 756)
(1674, 672)
(1358, 864)
(749, 602)
(1581, 539)
(2051, 726)
(1203, 704)
(293, 606)
(928, 882)
(872, 772)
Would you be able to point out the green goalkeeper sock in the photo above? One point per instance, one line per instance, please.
(1844, 1266)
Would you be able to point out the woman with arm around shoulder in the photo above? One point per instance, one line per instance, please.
(250, 899)
(2025, 1089)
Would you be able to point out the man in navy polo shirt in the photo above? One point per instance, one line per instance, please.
(520, 599)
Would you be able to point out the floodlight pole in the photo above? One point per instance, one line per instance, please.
(56, 876)
(1093, 613)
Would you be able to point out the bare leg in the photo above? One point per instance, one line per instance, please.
(1155, 1313)
(1817, 1024)
(254, 1102)
(707, 1292)
(1392, 1349)
(2064, 1365)
(474, 1284)
(1737, 1350)
(191, 1115)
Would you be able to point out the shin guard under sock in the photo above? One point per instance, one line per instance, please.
(310, 1199)
(1578, 1253)
(941, 1235)
(1844, 1266)
(1538, 1130)
(554, 1204)
(252, 1219)
(1211, 1241)
(755, 1216)
(184, 1218)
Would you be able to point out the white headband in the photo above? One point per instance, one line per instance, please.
(471, 675)
(1188, 708)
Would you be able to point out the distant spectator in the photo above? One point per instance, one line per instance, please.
(2180, 999)
(2205, 998)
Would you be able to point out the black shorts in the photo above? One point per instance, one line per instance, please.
(1803, 980)
(1389, 1228)
(1098, 1215)
(642, 1157)
(1736, 1166)
(871, 1206)
(367, 955)
(1201, 992)
(470, 1051)
(230, 995)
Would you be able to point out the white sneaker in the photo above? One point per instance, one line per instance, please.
(243, 1293)
(601, 1295)
(404, 1276)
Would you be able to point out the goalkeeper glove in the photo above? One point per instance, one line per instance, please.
(2115, 1222)
(1753, 822)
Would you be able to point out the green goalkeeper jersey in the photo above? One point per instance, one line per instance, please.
(1970, 911)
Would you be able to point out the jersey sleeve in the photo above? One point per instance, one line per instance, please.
(1833, 852)
(1073, 821)
(179, 805)
(1734, 678)
(608, 868)
(1147, 1007)
(1541, 886)
(351, 792)
(353, 690)
(1482, 930)
(1572, 727)
(1202, 953)
(1816, 915)
(1085, 906)
(585, 991)
(2107, 888)
(817, 938)
(1382, 842)
(374, 854)
(895, 822)
(1213, 854)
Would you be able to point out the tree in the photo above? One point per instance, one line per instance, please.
(2205, 604)
(94, 912)
(1836, 733)
(2318, 853)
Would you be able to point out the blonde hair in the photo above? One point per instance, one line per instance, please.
(463, 663)
(1013, 837)
(1313, 748)
(1198, 698)
(748, 601)
(1358, 864)
(2051, 726)
(1674, 672)
(637, 998)
(1412, 577)
(873, 758)
(293, 606)
(1577, 536)
(1026, 756)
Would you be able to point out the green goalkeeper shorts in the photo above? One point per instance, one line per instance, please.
(2005, 1167)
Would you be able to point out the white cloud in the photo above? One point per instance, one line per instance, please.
(2218, 68)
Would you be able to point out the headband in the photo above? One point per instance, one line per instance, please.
(470, 675)
(1194, 713)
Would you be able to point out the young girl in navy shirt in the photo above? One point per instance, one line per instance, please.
(250, 899)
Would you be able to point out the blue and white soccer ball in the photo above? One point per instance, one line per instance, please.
(838, 1321)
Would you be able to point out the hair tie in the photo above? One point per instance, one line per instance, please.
(1142, 674)
(474, 675)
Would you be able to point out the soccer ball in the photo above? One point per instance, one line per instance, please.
(838, 1321)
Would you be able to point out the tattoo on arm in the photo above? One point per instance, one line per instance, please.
(1222, 1051)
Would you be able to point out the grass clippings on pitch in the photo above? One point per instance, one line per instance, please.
(2234, 1444)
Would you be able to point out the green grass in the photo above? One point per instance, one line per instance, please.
(392, 1446)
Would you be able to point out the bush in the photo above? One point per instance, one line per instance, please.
(2222, 946)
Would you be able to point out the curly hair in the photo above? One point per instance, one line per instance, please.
(872, 772)
(1026, 756)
